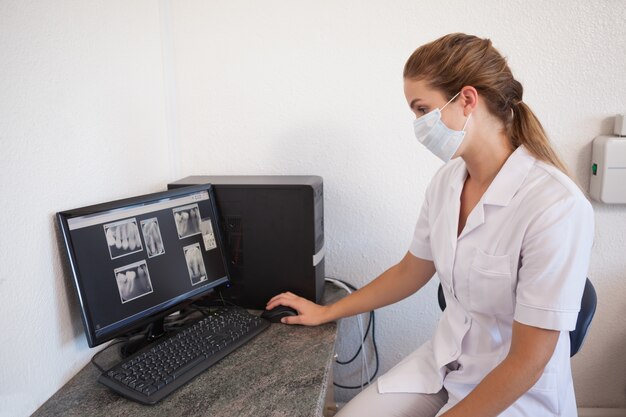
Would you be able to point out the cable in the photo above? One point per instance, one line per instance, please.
(376, 357)
(347, 284)
(224, 301)
(93, 358)
(369, 323)
(344, 285)
(339, 283)
(363, 356)
(349, 288)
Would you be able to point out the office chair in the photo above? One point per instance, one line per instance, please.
(587, 310)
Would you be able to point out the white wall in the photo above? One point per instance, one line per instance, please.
(104, 99)
(81, 121)
(284, 87)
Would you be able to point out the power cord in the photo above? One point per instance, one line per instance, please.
(349, 288)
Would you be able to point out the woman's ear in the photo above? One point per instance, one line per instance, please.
(469, 99)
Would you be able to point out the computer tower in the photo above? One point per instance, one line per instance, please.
(273, 228)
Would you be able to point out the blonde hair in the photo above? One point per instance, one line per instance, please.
(457, 60)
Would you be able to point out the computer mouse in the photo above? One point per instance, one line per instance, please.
(274, 315)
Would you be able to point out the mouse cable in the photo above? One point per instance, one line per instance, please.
(372, 322)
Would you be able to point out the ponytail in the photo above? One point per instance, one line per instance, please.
(526, 129)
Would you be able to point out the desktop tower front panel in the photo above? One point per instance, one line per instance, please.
(273, 230)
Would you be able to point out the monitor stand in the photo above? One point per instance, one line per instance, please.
(136, 342)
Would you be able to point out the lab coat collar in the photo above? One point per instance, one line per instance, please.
(510, 178)
(507, 181)
(500, 192)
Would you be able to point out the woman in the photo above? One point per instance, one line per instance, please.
(509, 235)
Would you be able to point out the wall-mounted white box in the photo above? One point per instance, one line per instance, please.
(608, 165)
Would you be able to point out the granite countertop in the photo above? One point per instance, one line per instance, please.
(284, 371)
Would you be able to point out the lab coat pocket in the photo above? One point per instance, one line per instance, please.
(490, 287)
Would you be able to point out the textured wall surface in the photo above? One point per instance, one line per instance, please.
(81, 121)
(101, 100)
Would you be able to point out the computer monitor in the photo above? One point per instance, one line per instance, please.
(136, 260)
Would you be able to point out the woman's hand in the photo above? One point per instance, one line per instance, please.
(309, 313)
(398, 282)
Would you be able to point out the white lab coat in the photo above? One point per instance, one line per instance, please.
(523, 255)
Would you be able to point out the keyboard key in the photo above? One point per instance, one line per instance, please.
(149, 389)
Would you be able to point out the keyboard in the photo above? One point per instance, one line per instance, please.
(154, 372)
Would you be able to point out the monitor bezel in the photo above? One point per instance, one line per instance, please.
(94, 337)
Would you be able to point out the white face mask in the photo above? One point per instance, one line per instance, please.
(436, 136)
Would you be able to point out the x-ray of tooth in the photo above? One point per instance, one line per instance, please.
(123, 238)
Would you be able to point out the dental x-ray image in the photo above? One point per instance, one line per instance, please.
(187, 220)
(122, 238)
(195, 263)
(152, 237)
(133, 281)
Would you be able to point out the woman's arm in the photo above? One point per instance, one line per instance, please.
(395, 284)
(531, 349)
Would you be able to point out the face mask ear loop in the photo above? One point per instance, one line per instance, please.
(444, 106)
(468, 117)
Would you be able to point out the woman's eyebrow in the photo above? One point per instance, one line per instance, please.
(414, 102)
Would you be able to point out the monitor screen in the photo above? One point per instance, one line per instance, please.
(135, 260)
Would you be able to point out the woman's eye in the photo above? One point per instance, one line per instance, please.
(422, 110)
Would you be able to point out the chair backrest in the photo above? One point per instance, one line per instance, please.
(587, 310)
